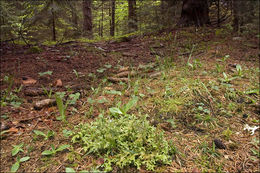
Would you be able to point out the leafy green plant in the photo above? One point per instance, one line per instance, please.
(53, 151)
(122, 110)
(17, 149)
(239, 70)
(219, 68)
(71, 170)
(7, 96)
(48, 93)
(227, 133)
(195, 64)
(62, 108)
(114, 92)
(108, 65)
(252, 91)
(16, 165)
(49, 134)
(227, 79)
(223, 59)
(126, 140)
(45, 73)
(76, 73)
(101, 70)
(66, 133)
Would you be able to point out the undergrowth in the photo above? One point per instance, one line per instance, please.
(124, 141)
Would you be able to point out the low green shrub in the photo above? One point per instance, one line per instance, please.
(124, 141)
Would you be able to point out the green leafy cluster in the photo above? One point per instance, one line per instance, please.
(124, 141)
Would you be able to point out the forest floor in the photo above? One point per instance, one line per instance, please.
(198, 86)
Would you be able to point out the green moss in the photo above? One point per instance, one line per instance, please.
(34, 50)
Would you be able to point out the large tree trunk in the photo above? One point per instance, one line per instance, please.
(194, 12)
(112, 23)
(87, 15)
(235, 15)
(132, 18)
(74, 15)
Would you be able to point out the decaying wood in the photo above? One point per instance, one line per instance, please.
(155, 74)
(129, 54)
(113, 79)
(125, 74)
(44, 103)
(124, 69)
(31, 91)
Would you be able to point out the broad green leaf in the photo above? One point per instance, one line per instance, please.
(47, 152)
(23, 159)
(74, 98)
(114, 92)
(15, 167)
(90, 100)
(108, 65)
(69, 170)
(101, 70)
(83, 171)
(17, 149)
(225, 75)
(252, 91)
(115, 110)
(63, 147)
(66, 132)
(60, 106)
(130, 104)
(38, 132)
(45, 73)
(50, 133)
(102, 100)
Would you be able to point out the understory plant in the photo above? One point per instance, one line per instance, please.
(123, 141)
(63, 107)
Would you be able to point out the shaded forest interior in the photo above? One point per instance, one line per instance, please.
(129, 86)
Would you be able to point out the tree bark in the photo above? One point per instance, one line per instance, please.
(194, 12)
(53, 25)
(87, 15)
(132, 17)
(235, 16)
(102, 19)
(112, 23)
(74, 16)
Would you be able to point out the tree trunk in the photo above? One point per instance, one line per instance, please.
(235, 15)
(112, 23)
(87, 15)
(218, 13)
(53, 25)
(132, 18)
(74, 16)
(194, 12)
(102, 19)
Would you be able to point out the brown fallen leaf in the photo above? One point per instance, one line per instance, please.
(100, 161)
(195, 170)
(12, 130)
(58, 83)
(28, 81)
(124, 69)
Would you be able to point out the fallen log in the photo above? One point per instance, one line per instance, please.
(113, 79)
(125, 74)
(44, 103)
